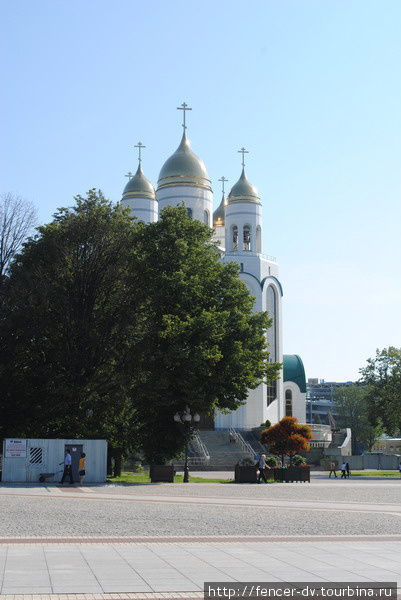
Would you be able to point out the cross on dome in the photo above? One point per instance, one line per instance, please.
(139, 145)
(129, 175)
(243, 152)
(223, 180)
(184, 107)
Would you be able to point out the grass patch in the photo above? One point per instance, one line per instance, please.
(127, 477)
(375, 473)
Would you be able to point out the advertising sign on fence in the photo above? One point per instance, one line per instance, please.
(15, 448)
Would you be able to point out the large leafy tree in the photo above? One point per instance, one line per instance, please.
(382, 376)
(287, 438)
(109, 328)
(66, 325)
(203, 346)
(352, 408)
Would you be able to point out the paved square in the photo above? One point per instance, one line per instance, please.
(115, 541)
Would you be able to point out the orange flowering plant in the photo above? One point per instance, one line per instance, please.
(286, 438)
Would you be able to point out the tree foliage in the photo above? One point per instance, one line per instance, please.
(110, 327)
(287, 438)
(352, 407)
(66, 325)
(382, 376)
(203, 346)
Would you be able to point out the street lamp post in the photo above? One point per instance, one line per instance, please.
(186, 418)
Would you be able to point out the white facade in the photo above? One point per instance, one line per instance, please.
(144, 209)
(294, 401)
(198, 201)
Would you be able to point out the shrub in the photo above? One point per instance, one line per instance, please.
(298, 460)
(286, 438)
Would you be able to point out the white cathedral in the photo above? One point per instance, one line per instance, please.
(237, 223)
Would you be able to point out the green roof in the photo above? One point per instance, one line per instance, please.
(294, 371)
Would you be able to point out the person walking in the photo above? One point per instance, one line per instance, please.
(399, 468)
(348, 469)
(67, 467)
(332, 469)
(262, 468)
(82, 468)
(343, 471)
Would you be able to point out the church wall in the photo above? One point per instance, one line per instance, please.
(245, 417)
(242, 214)
(275, 410)
(220, 236)
(144, 209)
(197, 199)
(298, 401)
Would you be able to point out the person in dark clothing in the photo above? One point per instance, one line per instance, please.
(347, 469)
(67, 467)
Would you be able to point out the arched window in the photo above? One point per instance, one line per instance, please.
(258, 239)
(271, 307)
(234, 237)
(189, 211)
(247, 237)
(206, 217)
(288, 403)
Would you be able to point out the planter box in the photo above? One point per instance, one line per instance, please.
(278, 473)
(246, 474)
(163, 473)
(292, 474)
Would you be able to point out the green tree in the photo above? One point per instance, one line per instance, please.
(202, 346)
(109, 328)
(352, 408)
(66, 325)
(382, 376)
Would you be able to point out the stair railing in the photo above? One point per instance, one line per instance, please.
(245, 447)
(202, 456)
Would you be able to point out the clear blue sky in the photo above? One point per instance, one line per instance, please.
(312, 88)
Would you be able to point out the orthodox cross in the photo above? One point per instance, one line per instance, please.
(129, 175)
(184, 107)
(243, 152)
(223, 180)
(139, 145)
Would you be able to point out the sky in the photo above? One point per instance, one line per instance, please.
(312, 89)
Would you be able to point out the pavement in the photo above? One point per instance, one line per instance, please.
(165, 540)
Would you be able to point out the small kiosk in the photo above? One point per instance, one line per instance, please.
(29, 460)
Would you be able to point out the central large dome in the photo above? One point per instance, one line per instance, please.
(184, 168)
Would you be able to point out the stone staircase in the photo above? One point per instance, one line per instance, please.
(251, 436)
(224, 454)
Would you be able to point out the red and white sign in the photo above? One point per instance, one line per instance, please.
(15, 449)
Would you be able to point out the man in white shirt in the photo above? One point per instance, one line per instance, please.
(67, 467)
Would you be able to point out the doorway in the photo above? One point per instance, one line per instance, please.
(75, 450)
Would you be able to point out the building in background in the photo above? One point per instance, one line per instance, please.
(320, 405)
